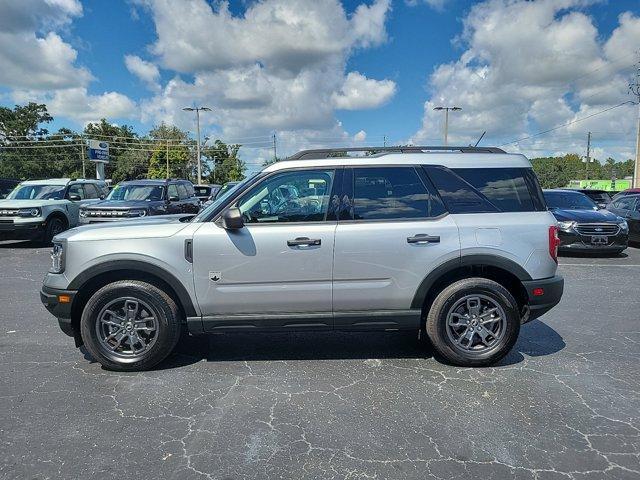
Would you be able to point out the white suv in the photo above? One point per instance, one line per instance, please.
(456, 242)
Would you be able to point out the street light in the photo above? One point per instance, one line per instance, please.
(198, 110)
(446, 119)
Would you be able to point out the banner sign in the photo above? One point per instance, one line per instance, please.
(98, 151)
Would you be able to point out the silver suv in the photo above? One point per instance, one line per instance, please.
(455, 242)
(40, 209)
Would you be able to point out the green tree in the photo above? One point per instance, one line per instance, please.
(172, 148)
(23, 121)
(222, 163)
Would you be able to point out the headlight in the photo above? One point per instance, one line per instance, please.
(57, 258)
(566, 226)
(624, 226)
(137, 213)
(29, 212)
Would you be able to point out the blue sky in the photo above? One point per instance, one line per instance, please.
(381, 80)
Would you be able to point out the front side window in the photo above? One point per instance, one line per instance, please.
(182, 191)
(136, 192)
(624, 203)
(298, 196)
(37, 192)
(172, 191)
(386, 193)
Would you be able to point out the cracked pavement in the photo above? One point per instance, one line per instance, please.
(565, 403)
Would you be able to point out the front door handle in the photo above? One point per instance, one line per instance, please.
(423, 238)
(303, 241)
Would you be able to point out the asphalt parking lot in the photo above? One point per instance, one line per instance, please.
(564, 404)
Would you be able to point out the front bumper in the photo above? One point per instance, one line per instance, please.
(543, 295)
(10, 230)
(575, 242)
(55, 302)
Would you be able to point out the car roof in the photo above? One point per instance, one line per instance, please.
(448, 159)
(144, 182)
(49, 181)
(561, 190)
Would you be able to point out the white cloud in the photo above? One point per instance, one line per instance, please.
(361, 136)
(145, 71)
(530, 66)
(279, 66)
(435, 4)
(359, 92)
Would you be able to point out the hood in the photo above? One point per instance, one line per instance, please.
(124, 204)
(147, 227)
(585, 216)
(30, 203)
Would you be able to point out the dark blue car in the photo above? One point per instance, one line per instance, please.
(141, 198)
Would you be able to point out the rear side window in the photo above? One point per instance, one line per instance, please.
(508, 189)
(385, 193)
(190, 189)
(458, 195)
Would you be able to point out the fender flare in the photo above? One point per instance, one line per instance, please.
(161, 273)
(466, 261)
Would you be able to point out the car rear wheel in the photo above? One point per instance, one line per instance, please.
(473, 322)
(130, 325)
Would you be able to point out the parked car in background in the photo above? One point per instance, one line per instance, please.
(600, 197)
(583, 227)
(628, 191)
(225, 189)
(628, 207)
(141, 198)
(6, 186)
(40, 209)
(206, 192)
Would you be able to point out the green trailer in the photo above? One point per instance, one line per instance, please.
(607, 185)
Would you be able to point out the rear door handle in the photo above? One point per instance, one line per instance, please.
(302, 241)
(423, 238)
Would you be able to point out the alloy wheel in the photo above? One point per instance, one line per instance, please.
(476, 324)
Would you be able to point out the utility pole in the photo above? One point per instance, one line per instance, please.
(167, 144)
(275, 148)
(384, 141)
(198, 161)
(634, 88)
(588, 154)
(446, 120)
(84, 173)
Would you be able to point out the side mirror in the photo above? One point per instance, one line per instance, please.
(232, 219)
(173, 198)
(74, 198)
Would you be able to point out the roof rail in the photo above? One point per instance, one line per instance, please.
(328, 152)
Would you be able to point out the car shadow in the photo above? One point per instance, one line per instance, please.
(536, 339)
(592, 255)
(21, 244)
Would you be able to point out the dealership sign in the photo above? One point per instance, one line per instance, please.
(98, 151)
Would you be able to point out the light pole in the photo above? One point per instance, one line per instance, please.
(446, 120)
(198, 110)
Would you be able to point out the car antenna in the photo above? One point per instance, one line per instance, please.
(480, 138)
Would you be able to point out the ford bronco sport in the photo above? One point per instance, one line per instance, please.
(456, 242)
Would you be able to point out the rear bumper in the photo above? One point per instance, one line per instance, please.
(50, 298)
(543, 295)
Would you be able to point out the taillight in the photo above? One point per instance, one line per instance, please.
(554, 242)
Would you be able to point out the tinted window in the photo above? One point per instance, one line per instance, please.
(172, 191)
(569, 201)
(203, 191)
(300, 196)
(625, 203)
(182, 191)
(136, 192)
(76, 189)
(458, 195)
(91, 191)
(190, 190)
(506, 188)
(381, 193)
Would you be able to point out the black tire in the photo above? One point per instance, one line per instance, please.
(161, 307)
(54, 226)
(437, 328)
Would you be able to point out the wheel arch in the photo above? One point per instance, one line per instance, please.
(499, 269)
(94, 278)
(58, 214)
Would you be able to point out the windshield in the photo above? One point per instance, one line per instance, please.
(569, 201)
(37, 192)
(137, 192)
(222, 196)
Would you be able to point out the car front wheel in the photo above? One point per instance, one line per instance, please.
(130, 325)
(473, 322)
